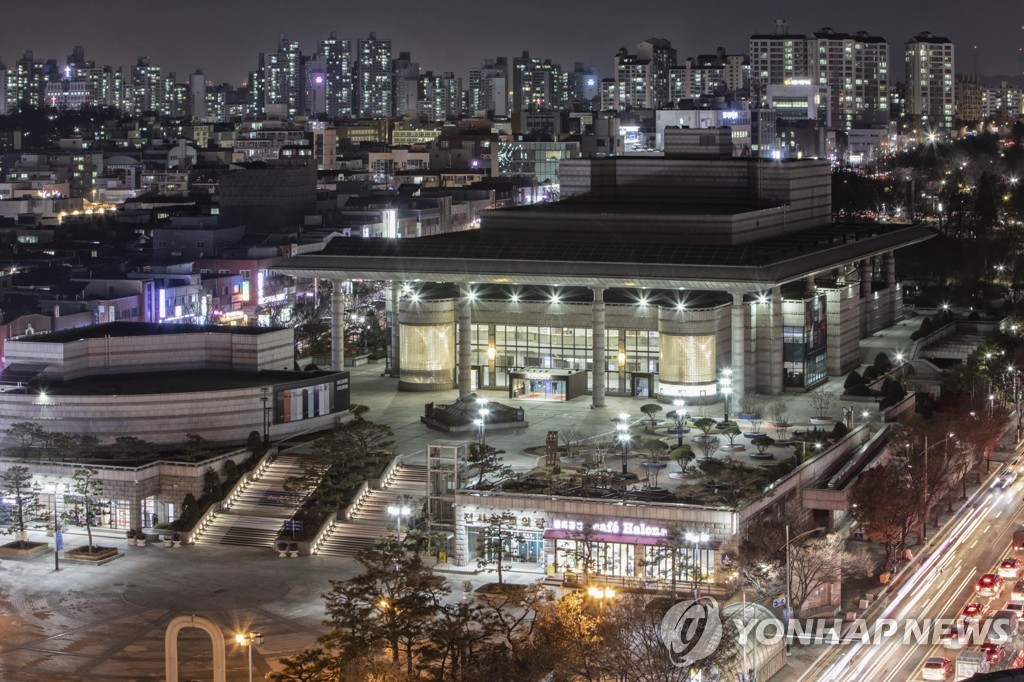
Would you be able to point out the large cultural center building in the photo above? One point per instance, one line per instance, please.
(649, 277)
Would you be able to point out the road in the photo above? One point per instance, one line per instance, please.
(938, 587)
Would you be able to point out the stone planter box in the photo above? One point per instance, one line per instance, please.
(12, 551)
(822, 421)
(101, 556)
(167, 542)
(357, 360)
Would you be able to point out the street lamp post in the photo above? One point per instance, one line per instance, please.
(265, 399)
(482, 423)
(680, 406)
(623, 429)
(725, 386)
(248, 640)
(398, 511)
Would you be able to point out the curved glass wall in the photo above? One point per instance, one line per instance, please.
(427, 355)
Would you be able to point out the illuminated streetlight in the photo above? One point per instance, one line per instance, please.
(623, 428)
(725, 386)
(248, 640)
(398, 511)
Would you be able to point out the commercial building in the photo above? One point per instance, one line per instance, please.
(651, 275)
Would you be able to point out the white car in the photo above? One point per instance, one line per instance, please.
(1005, 478)
(1010, 567)
(937, 668)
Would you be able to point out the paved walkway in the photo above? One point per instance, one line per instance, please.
(107, 622)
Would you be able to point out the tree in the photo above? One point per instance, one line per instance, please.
(651, 410)
(682, 455)
(882, 363)
(821, 400)
(132, 448)
(511, 615)
(195, 447)
(705, 425)
(27, 434)
(392, 604)
(883, 506)
(494, 540)
(820, 562)
(732, 432)
(487, 461)
(853, 379)
(762, 443)
(708, 446)
(574, 632)
(16, 483)
(86, 504)
(655, 447)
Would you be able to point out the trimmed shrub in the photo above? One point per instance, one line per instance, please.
(853, 379)
(860, 390)
(882, 363)
(870, 374)
(838, 431)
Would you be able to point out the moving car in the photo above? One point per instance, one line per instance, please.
(1010, 567)
(954, 637)
(1005, 478)
(973, 613)
(937, 668)
(988, 585)
(1015, 606)
(1018, 591)
(1003, 627)
(1018, 539)
(995, 653)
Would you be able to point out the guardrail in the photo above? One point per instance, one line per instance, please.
(191, 536)
(243, 482)
(321, 535)
(357, 501)
(389, 470)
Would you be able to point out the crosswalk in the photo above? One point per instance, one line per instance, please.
(257, 513)
(370, 521)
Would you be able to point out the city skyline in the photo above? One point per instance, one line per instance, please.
(224, 42)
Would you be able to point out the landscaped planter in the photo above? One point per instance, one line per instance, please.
(749, 416)
(822, 421)
(758, 455)
(752, 434)
(82, 554)
(22, 550)
(678, 432)
(733, 448)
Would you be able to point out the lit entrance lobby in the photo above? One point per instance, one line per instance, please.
(648, 279)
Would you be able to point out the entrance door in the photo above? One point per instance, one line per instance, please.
(642, 385)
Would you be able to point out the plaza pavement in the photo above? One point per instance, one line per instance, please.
(107, 622)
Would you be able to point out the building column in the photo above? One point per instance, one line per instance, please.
(135, 498)
(775, 344)
(396, 298)
(812, 286)
(739, 346)
(865, 277)
(895, 291)
(597, 329)
(461, 557)
(338, 325)
(465, 343)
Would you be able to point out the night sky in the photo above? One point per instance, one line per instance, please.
(223, 37)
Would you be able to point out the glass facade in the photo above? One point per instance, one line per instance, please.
(428, 353)
(518, 347)
(688, 359)
(624, 560)
(805, 348)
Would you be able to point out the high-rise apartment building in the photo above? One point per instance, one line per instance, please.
(284, 83)
(405, 77)
(968, 98)
(931, 92)
(634, 82)
(663, 58)
(373, 78)
(337, 57)
(537, 84)
(489, 87)
(777, 57)
(146, 88)
(854, 67)
(856, 70)
(709, 74)
(584, 87)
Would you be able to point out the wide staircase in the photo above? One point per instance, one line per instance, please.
(369, 519)
(258, 511)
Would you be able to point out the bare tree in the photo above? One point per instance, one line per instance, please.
(821, 401)
(708, 446)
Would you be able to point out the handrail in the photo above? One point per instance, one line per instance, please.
(321, 534)
(249, 476)
(357, 500)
